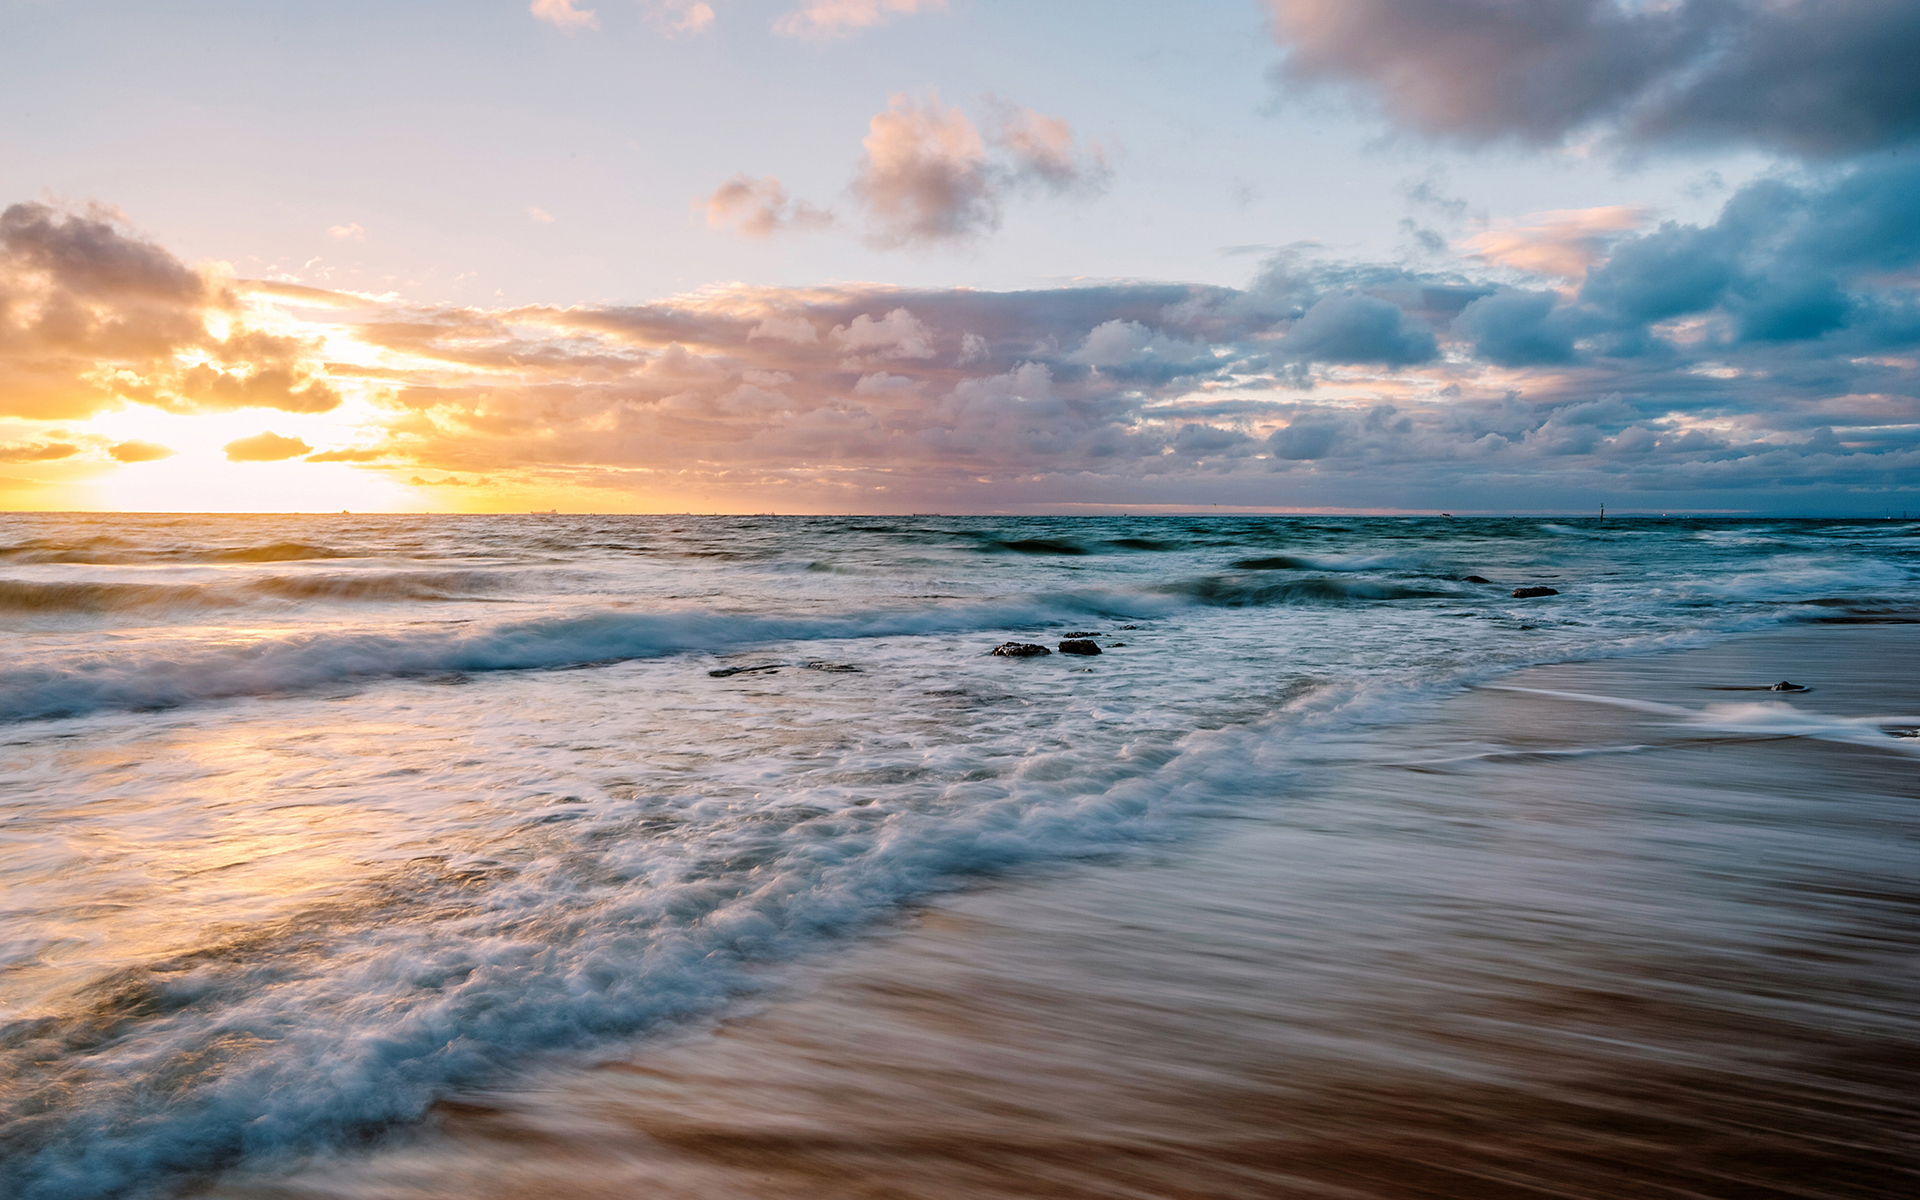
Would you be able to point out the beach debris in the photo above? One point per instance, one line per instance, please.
(1528, 593)
(1784, 686)
(723, 672)
(1020, 650)
(1079, 646)
(827, 666)
(1478, 579)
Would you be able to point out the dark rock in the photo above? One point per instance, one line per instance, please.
(723, 672)
(1129, 627)
(827, 666)
(1784, 686)
(1020, 650)
(1082, 634)
(1478, 579)
(1116, 645)
(1079, 646)
(1528, 593)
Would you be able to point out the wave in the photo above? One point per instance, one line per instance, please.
(1337, 562)
(1035, 546)
(353, 1016)
(1220, 591)
(30, 596)
(104, 551)
(154, 680)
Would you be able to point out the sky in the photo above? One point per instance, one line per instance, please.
(844, 256)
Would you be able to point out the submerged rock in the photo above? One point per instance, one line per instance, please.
(1528, 593)
(723, 672)
(1079, 646)
(1784, 686)
(1082, 634)
(827, 666)
(1020, 650)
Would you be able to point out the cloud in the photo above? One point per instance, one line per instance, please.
(564, 15)
(1767, 358)
(822, 19)
(1357, 328)
(1816, 78)
(265, 447)
(539, 216)
(899, 334)
(1042, 150)
(757, 208)
(675, 17)
(925, 176)
(797, 330)
(347, 233)
(929, 176)
(1306, 438)
(37, 451)
(1517, 329)
(91, 316)
(133, 452)
(1561, 244)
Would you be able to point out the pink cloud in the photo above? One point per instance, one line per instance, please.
(562, 14)
(758, 208)
(821, 19)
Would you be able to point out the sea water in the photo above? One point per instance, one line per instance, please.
(307, 821)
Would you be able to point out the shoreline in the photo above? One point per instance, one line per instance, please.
(1599, 929)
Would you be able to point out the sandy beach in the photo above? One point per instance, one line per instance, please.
(1601, 929)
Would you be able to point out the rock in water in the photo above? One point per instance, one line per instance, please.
(1784, 686)
(1020, 650)
(1478, 579)
(1528, 593)
(1082, 634)
(725, 672)
(1079, 646)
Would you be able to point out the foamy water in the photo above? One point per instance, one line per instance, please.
(308, 821)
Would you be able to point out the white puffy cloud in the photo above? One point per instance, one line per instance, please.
(899, 334)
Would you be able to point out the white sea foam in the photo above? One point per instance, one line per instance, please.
(248, 929)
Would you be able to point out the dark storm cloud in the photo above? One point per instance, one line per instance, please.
(1816, 78)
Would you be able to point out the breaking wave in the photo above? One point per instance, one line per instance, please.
(29, 596)
(149, 680)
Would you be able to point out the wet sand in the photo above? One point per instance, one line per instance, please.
(1531, 946)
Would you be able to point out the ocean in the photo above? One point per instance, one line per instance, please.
(309, 825)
